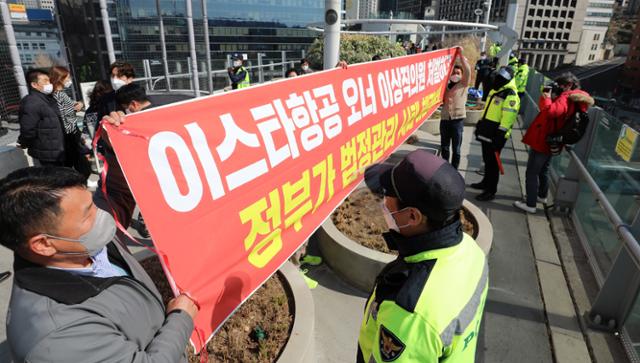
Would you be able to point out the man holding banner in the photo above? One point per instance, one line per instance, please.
(78, 294)
(427, 304)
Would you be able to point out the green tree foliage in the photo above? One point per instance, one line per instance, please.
(356, 49)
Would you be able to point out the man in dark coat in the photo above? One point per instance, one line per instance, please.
(41, 125)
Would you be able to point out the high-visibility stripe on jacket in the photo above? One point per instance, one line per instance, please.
(434, 316)
(502, 107)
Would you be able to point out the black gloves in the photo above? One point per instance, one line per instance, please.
(499, 139)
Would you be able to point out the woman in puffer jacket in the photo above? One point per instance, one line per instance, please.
(554, 113)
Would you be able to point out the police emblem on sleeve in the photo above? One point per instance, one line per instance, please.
(512, 103)
(390, 346)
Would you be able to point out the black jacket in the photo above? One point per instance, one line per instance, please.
(41, 127)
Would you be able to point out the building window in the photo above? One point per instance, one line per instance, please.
(594, 46)
(547, 13)
(553, 24)
(19, 45)
(527, 34)
(573, 4)
(545, 24)
(543, 35)
(571, 14)
(532, 12)
(537, 23)
(556, 13)
(558, 36)
(42, 46)
(565, 3)
(592, 57)
(565, 36)
(563, 14)
(540, 12)
(535, 35)
(529, 23)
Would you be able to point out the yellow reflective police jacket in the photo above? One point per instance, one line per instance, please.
(494, 49)
(522, 77)
(427, 307)
(245, 82)
(502, 107)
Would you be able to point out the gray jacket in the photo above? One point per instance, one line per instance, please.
(55, 316)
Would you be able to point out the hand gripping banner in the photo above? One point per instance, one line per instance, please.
(231, 185)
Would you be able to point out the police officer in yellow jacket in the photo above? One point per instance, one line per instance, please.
(238, 74)
(494, 129)
(427, 304)
(494, 49)
(522, 76)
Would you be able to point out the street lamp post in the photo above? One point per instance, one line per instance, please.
(487, 4)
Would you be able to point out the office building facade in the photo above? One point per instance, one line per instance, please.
(550, 32)
(368, 9)
(631, 70)
(596, 23)
(235, 26)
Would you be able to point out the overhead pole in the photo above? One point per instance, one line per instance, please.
(331, 33)
(192, 49)
(483, 43)
(163, 46)
(205, 24)
(13, 49)
(107, 30)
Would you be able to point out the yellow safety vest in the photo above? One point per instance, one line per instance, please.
(522, 77)
(246, 81)
(434, 315)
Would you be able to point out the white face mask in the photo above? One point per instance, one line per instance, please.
(455, 78)
(48, 88)
(305, 67)
(237, 63)
(388, 217)
(68, 84)
(116, 83)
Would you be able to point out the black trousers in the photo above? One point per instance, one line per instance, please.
(491, 169)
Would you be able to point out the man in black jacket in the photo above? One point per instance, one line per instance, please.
(41, 125)
(483, 69)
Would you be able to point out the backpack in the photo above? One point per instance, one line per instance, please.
(571, 132)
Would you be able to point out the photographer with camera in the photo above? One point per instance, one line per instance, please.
(562, 120)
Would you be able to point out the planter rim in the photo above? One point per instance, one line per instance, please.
(484, 238)
(300, 345)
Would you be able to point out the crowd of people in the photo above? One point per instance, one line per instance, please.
(62, 235)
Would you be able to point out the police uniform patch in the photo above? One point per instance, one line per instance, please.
(512, 103)
(390, 346)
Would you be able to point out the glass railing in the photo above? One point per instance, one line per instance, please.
(619, 179)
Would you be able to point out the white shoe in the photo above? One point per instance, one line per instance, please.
(92, 183)
(542, 200)
(523, 206)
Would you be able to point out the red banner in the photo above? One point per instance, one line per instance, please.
(231, 185)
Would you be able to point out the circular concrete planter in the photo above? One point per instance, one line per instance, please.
(431, 125)
(300, 348)
(360, 265)
(473, 116)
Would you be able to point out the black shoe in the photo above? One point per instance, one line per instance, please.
(478, 186)
(486, 196)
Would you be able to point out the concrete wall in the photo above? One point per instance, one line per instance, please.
(12, 158)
